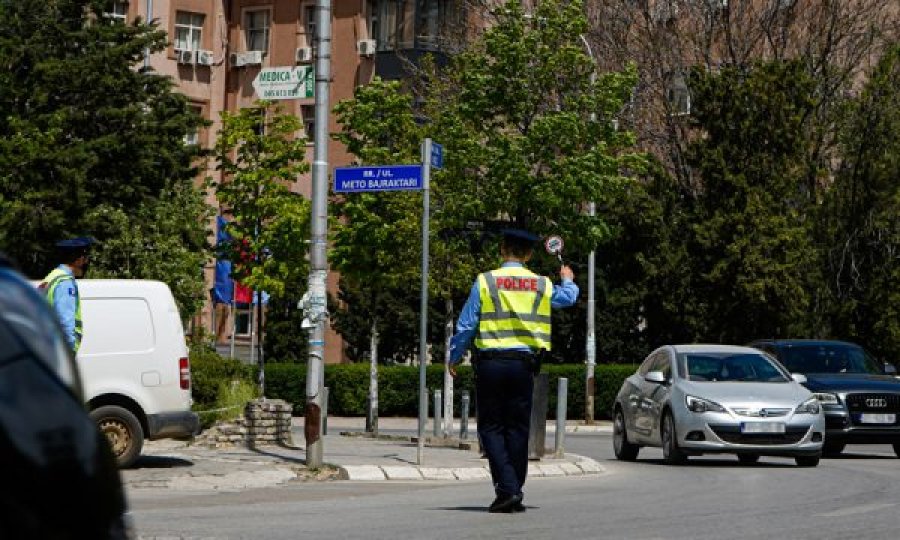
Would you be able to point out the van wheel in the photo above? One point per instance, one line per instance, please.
(123, 431)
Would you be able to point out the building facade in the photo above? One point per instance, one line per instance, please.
(217, 48)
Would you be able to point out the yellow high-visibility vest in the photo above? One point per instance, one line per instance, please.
(49, 285)
(515, 309)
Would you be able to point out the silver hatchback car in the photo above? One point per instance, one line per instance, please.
(699, 399)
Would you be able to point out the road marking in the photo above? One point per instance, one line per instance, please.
(861, 509)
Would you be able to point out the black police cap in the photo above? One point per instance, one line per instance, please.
(521, 235)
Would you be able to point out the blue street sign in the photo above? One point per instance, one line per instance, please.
(377, 178)
(437, 156)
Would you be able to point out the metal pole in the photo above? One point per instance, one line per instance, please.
(259, 346)
(318, 268)
(562, 393)
(438, 409)
(464, 416)
(448, 380)
(423, 305)
(372, 417)
(324, 410)
(591, 345)
(233, 311)
(591, 340)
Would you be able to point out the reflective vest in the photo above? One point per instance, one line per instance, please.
(50, 284)
(515, 309)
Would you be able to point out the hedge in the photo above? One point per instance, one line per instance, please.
(209, 370)
(398, 386)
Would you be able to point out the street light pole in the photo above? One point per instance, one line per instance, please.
(318, 268)
(591, 340)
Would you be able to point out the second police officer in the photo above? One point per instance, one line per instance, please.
(508, 316)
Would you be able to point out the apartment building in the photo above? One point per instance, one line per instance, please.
(217, 47)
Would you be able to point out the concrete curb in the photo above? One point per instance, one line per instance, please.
(577, 466)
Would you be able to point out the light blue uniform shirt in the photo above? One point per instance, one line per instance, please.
(65, 302)
(563, 295)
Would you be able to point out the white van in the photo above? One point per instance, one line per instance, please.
(134, 364)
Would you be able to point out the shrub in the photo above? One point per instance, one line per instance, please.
(398, 387)
(209, 371)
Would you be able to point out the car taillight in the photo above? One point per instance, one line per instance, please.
(184, 370)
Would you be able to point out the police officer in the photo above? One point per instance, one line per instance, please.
(508, 315)
(61, 290)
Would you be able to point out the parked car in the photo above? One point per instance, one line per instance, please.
(860, 396)
(701, 399)
(59, 477)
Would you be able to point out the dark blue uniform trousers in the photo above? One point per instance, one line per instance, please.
(503, 389)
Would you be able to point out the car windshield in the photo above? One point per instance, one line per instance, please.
(730, 367)
(830, 358)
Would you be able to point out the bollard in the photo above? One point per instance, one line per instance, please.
(562, 392)
(464, 416)
(538, 433)
(325, 411)
(438, 410)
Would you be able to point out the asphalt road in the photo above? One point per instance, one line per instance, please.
(853, 497)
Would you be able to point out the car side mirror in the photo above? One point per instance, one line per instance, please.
(655, 377)
(889, 369)
(798, 377)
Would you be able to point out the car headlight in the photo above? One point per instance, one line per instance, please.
(700, 405)
(810, 406)
(827, 398)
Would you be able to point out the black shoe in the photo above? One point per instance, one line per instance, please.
(518, 508)
(504, 504)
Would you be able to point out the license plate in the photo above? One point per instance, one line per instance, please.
(877, 418)
(762, 427)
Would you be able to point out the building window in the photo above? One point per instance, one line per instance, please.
(386, 21)
(309, 22)
(432, 17)
(308, 113)
(678, 94)
(257, 29)
(188, 27)
(193, 138)
(118, 12)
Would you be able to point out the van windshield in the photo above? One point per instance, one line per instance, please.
(828, 358)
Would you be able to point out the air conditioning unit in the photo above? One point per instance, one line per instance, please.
(304, 55)
(248, 58)
(184, 57)
(253, 58)
(366, 47)
(205, 58)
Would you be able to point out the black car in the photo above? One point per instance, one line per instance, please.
(860, 396)
(60, 479)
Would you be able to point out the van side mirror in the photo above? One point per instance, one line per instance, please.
(889, 369)
(655, 377)
(798, 377)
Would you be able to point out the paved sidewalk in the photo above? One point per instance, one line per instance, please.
(175, 465)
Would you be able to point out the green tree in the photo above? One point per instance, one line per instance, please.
(260, 155)
(529, 136)
(377, 236)
(860, 231)
(88, 138)
(754, 262)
